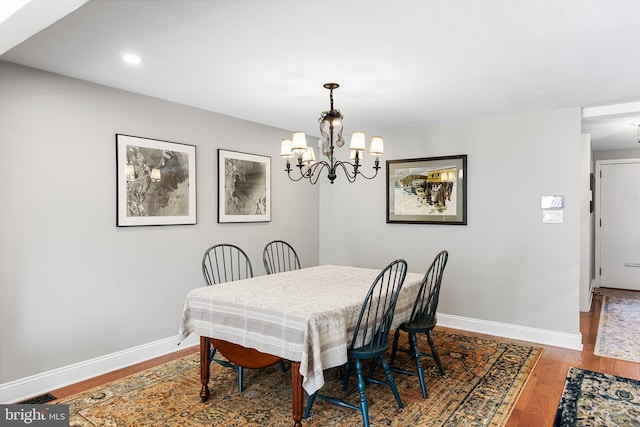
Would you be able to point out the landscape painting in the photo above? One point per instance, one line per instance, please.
(427, 190)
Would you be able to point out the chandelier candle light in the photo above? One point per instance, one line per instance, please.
(307, 165)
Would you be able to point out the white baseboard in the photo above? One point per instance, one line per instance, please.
(592, 287)
(35, 385)
(25, 388)
(506, 330)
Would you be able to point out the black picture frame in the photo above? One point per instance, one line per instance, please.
(244, 187)
(428, 190)
(156, 182)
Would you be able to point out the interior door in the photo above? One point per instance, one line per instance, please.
(620, 226)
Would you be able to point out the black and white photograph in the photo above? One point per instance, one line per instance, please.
(427, 190)
(244, 187)
(156, 182)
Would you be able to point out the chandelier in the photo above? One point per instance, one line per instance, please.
(307, 165)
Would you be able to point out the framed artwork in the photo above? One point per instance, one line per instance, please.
(431, 190)
(244, 187)
(156, 182)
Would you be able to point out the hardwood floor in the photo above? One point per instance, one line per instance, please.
(67, 391)
(538, 402)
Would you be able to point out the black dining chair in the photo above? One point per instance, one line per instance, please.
(225, 263)
(279, 256)
(371, 339)
(423, 319)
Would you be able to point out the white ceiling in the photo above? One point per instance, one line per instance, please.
(400, 63)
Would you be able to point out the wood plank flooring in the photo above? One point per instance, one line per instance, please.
(539, 400)
(537, 404)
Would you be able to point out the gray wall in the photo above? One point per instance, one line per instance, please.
(505, 265)
(73, 286)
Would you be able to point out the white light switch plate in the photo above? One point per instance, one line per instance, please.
(552, 217)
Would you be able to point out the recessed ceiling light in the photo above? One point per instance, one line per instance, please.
(131, 58)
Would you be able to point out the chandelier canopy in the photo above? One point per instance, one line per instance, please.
(331, 131)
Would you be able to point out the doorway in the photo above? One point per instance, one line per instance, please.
(618, 224)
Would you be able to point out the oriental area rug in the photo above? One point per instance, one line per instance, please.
(483, 379)
(594, 399)
(619, 329)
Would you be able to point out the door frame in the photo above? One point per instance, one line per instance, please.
(598, 171)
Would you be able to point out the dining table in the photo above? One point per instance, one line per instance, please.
(307, 316)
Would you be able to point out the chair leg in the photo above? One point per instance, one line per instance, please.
(434, 352)
(391, 382)
(345, 379)
(239, 369)
(373, 367)
(282, 366)
(310, 401)
(363, 398)
(416, 354)
(240, 378)
(394, 349)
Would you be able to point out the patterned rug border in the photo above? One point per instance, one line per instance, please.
(463, 412)
(516, 396)
(619, 350)
(595, 413)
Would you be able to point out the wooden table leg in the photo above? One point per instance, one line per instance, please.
(205, 348)
(296, 394)
(296, 381)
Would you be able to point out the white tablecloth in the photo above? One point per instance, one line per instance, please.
(305, 315)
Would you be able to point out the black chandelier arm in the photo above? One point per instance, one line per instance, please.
(312, 173)
(288, 171)
(356, 170)
(350, 177)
